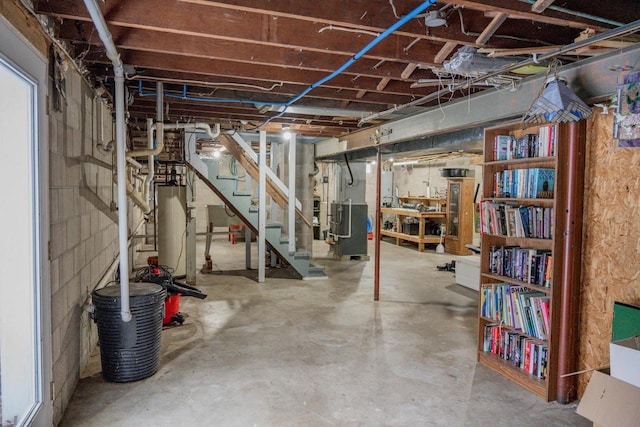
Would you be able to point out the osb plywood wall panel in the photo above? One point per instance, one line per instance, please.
(611, 240)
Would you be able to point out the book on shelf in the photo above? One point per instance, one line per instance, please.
(531, 183)
(520, 351)
(516, 307)
(542, 144)
(527, 265)
(505, 219)
(503, 148)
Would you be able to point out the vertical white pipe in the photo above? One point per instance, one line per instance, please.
(125, 311)
(112, 54)
(262, 210)
(292, 194)
(150, 164)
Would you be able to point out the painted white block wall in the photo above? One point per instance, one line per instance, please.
(84, 235)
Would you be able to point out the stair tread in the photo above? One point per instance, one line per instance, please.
(300, 260)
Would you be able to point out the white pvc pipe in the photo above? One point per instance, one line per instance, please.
(160, 145)
(112, 54)
(150, 163)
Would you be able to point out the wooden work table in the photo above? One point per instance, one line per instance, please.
(420, 238)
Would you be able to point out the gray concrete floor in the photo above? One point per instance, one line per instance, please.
(321, 353)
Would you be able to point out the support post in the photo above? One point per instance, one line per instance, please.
(247, 231)
(292, 194)
(262, 210)
(190, 249)
(376, 273)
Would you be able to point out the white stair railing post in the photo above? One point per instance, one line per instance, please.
(292, 194)
(262, 209)
(247, 231)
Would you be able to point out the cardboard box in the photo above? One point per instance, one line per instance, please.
(608, 401)
(625, 360)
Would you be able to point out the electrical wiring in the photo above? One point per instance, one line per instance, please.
(203, 83)
(348, 30)
(355, 57)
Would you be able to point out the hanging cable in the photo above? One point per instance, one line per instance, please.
(346, 159)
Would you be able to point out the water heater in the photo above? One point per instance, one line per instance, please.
(172, 222)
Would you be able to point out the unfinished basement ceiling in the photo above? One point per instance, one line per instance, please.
(238, 62)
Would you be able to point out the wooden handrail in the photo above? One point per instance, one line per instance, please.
(252, 169)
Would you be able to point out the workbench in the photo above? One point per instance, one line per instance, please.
(420, 238)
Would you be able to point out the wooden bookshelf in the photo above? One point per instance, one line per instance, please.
(565, 247)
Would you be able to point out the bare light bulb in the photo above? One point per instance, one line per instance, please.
(216, 154)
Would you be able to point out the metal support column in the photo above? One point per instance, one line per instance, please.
(292, 194)
(190, 250)
(248, 187)
(262, 210)
(376, 267)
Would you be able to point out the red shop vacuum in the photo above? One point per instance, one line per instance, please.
(162, 275)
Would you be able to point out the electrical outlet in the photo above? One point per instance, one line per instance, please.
(325, 179)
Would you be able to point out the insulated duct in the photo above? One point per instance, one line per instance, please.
(118, 70)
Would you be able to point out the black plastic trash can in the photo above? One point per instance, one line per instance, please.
(129, 351)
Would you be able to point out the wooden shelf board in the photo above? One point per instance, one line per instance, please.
(428, 199)
(526, 161)
(514, 374)
(517, 282)
(412, 212)
(523, 242)
(538, 340)
(546, 203)
(410, 237)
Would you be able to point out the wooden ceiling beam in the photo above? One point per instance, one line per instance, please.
(383, 84)
(523, 10)
(247, 89)
(178, 18)
(408, 71)
(444, 52)
(540, 5)
(149, 112)
(377, 15)
(155, 41)
(229, 69)
(491, 29)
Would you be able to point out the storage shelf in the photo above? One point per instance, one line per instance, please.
(529, 161)
(566, 218)
(546, 203)
(421, 239)
(524, 334)
(517, 282)
(513, 373)
(523, 242)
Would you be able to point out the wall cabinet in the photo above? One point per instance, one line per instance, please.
(459, 230)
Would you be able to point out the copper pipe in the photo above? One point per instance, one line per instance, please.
(571, 257)
(376, 273)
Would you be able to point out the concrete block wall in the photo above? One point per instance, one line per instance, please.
(84, 231)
